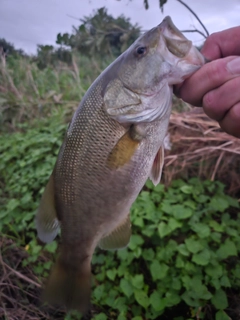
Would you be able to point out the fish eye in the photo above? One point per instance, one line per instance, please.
(141, 51)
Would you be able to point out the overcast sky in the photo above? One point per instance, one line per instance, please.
(27, 23)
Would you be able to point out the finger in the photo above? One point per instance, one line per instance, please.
(209, 77)
(216, 103)
(222, 44)
(231, 122)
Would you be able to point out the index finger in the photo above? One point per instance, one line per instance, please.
(222, 44)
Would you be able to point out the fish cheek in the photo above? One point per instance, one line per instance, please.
(119, 101)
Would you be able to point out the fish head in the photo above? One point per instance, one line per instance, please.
(161, 55)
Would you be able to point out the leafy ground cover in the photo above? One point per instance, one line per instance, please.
(182, 261)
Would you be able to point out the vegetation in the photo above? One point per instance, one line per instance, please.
(183, 259)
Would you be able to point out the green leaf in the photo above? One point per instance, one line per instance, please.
(172, 298)
(155, 269)
(221, 315)
(215, 271)
(187, 189)
(227, 249)
(225, 282)
(193, 246)
(181, 212)
(219, 300)
(100, 316)
(202, 230)
(120, 304)
(216, 226)
(135, 241)
(148, 254)
(182, 248)
(199, 289)
(51, 247)
(111, 274)
(137, 281)
(174, 224)
(158, 271)
(166, 207)
(187, 296)
(142, 298)
(98, 292)
(180, 263)
(126, 287)
(218, 203)
(163, 229)
(202, 258)
(176, 284)
(12, 204)
(157, 301)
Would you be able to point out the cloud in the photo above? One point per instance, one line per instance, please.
(27, 23)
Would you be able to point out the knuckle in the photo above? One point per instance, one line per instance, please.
(209, 101)
(215, 72)
(212, 38)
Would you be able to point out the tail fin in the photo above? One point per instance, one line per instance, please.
(69, 283)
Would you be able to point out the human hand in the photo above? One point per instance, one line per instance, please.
(216, 86)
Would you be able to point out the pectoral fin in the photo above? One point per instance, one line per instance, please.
(119, 237)
(122, 151)
(157, 167)
(46, 219)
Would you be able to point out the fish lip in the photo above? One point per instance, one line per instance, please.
(168, 25)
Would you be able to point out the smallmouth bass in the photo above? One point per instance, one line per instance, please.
(112, 146)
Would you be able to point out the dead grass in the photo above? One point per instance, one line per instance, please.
(200, 148)
(21, 289)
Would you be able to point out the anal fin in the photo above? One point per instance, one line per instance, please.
(156, 171)
(46, 219)
(119, 237)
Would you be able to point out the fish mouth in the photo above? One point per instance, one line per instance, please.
(179, 45)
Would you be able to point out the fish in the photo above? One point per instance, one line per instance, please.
(113, 144)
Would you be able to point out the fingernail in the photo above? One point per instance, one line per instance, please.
(233, 66)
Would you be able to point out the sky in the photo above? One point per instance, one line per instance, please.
(26, 23)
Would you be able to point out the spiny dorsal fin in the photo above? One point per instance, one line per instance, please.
(46, 219)
(119, 237)
(156, 171)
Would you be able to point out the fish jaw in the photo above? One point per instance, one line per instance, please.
(180, 52)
